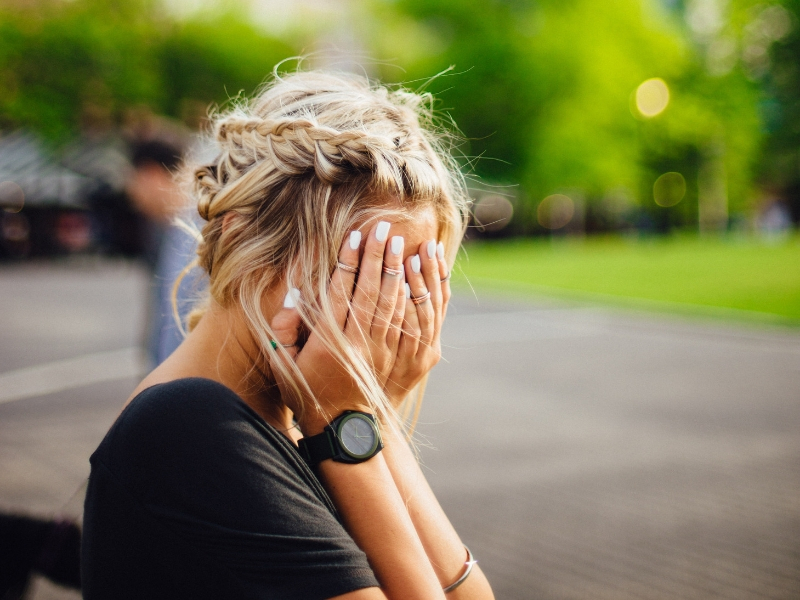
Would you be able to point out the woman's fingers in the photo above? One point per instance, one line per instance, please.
(391, 280)
(344, 277)
(421, 295)
(409, 340)
(286, 328)
(393, 336)
(365, 296)
(430, 271)
(444, 278)
(286, 324)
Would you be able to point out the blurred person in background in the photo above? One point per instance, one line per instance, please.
(153, 191)
(168, 247)
(267, 456)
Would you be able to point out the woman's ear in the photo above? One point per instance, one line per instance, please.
(227, 220)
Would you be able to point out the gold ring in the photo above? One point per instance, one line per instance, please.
(420, 299)
(347, 268)
(393, 272)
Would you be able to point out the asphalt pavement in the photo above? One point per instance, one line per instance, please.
(581, 452)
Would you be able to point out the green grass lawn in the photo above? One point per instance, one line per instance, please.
(675, 273)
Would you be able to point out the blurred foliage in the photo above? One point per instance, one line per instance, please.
(543, 91)
(548, 87)
(781, 105)
(71, 66)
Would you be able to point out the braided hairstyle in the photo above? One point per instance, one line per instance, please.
(312, 157)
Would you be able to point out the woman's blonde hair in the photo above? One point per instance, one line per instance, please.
(313, 156)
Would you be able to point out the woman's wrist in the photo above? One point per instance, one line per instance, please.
(314, 421)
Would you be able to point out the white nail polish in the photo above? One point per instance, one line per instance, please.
(355, 239)
(431, 249)
(440, 250)
(408, 291)
(382, 232)
(397, 245)
(415, 263)
(292, 297)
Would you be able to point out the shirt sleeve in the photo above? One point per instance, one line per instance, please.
(212, 473)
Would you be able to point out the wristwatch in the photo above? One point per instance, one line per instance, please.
(352, 437)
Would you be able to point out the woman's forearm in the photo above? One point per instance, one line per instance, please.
(375, 515)
(442, 544)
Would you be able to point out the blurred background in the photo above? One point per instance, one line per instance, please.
(626, 304)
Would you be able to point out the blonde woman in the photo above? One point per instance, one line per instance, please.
(265, 458)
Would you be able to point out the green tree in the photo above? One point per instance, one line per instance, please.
(86, 62)
(544, 94)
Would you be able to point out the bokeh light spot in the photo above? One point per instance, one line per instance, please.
(669, 189)
(555, 211)
(652, 97)
(12, 198)
(492, 213)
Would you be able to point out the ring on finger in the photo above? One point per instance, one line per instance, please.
(421, 299)
(346, 267)
(275, 345)
(392, 272)
(446, 277)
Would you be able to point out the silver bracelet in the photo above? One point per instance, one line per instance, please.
(469, 564)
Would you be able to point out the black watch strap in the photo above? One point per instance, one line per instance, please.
(318, 447)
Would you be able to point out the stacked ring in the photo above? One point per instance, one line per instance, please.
(347, 268)
(420, 299)
(392, 272)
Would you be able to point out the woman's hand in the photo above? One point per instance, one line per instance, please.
(370, 317)
(385, 502)
(420, 343)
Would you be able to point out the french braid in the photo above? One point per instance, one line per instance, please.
(293, 147)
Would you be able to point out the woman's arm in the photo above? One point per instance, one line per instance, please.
(375, 515)
(443, 547)
(418, 351)
(365, 494)
(385, 502)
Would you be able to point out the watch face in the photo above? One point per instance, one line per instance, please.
(358, 435)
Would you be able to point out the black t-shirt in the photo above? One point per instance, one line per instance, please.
(193, 495)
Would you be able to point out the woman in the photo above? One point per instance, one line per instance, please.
(265, 457)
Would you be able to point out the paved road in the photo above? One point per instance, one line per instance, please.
(581, 452)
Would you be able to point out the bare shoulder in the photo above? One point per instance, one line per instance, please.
(175, 367)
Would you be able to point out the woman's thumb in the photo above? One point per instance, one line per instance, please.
(286, 323)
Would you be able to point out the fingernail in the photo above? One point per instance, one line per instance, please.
(355, 239)
(440, 250)
(382, 232)
(431, 249)
(397, 245)
(408, 291)
(292, 297)
(415, 263)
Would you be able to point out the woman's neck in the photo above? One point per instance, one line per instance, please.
(222, 348)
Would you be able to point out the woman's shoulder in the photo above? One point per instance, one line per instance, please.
(183, 403)
(175, 393)
(190, 434)
(186, 418)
